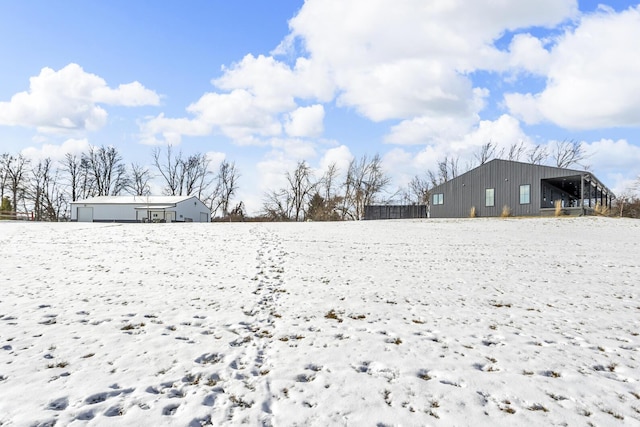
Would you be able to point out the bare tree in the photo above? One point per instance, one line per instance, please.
(301, 186)
(72, 165)
(364, 182)
(453, 167)
(183, 176)
(170, 169)
(537, 155)
(568, 153)
(107, 170)
(487, 152)
(15, 168)
(291, 202)
(323, 204)
(81, 183)
(516, 151)
(196, 170)
(48, 199)
(87, 183)
(447, 169)
(4, 174)
(39, 175)
(328, 181)
(138, 182)
(419, 190)
(277, 205)
(225, 188)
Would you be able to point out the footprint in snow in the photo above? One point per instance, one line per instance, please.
(170, 409)
(114, 411)
(58, 404)
(96, 398)
(85, 416)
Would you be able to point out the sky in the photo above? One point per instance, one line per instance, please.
(267, 84)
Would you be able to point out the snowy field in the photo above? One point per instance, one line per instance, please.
(443, 322)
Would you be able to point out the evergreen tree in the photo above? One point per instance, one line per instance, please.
(5, 206)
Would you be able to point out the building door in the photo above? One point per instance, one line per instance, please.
(170, 216)
(203, 217)
(85, 214)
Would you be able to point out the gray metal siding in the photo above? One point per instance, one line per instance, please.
(468, 189)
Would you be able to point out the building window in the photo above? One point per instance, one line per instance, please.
(525, 194)
(489, 197)
(438, 199)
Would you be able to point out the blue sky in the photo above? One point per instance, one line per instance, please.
(266, 84)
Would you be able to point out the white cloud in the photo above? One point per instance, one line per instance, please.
(387, 60)
(427, 130)
(406, 88)
(256, 95)
(503, 132)
(237, 115)
(305, 121)
(69, 99)
(171, 129)
(612, 155)
(528, 53)
(524, 106)
(274, 83)
(215, 158)
(395, 60)
(340, 156)
(437, 128)
(459, 138)
(272, 169)
(593, 76)
(128, 95)
(56, 152)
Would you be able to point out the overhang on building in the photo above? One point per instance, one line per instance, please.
(522, 189)
(140, 209)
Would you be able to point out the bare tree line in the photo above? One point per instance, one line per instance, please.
(305, 197)
(46, 188)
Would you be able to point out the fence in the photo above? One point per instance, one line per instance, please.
(394, 211)
(12, 216)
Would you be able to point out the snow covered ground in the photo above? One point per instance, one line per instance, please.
(440, 322)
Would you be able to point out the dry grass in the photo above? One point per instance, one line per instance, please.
(472, 212)
(601, 210)
(424, 375)
(613, 414)
(333, 315)
(537, 407)
(558, 207)
(506, 212)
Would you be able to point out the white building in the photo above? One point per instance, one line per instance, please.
(140, 209)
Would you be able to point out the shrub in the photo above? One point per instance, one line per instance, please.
(506, 211)
(472, 213)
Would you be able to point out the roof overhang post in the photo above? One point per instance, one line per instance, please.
(582, 193)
